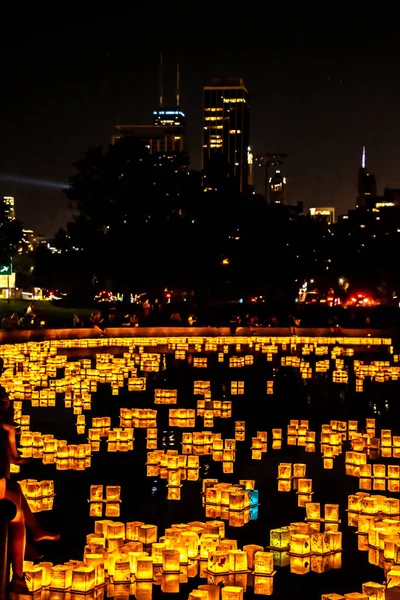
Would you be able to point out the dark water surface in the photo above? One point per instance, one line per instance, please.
(144, 499)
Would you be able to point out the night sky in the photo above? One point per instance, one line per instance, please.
(321, 86)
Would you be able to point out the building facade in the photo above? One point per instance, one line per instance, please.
(324, 213)
(226, 147)
(166, 136)
(277, 185)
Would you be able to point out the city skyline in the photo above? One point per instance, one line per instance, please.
(317, 93)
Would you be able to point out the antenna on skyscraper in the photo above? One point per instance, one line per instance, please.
(363, 158)
(161, 79)
(177, 85)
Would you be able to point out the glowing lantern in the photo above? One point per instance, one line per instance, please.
(284, 485)
(279, 538)
(132, 530)
(332, 512)
(213, 591)
(263, 585)
(231, 592)
(251, 550)
(300, 544)
(218, 562)
(61, 577)
(284, 470)
(34, 578)
(147, 534)
(171, 561)
(199, 595)
(263, 563)
(237, 560)
(374, 591)
(83, 579)
(305, 486)
(313, 511)
(144, 568)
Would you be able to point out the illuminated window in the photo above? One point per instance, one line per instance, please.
(235, 131)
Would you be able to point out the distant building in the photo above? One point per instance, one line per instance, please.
(159, 138)
(226, 148)
(277, 185)
(324, 213)
(165, 137)
(28, 242)
(9, 207)
(366, 186)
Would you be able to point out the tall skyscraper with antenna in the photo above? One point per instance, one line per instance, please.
(366, 186)
(166, 136)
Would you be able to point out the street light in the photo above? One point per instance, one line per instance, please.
(269, 160)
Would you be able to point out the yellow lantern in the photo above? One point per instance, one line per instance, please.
(171, 560)
(263, 585)
(251, 550)
(218, 562)
(231, 592)
(34, 578)
(144, 568)
(147, 534)
(61, 577)
(83, 579)
(237, 561)
(300, 544)
(263, 563)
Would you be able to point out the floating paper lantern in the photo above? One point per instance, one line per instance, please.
(83, 579)
(61, 577)
(263, 563)
(230, 592)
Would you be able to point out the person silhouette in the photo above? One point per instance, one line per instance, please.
(17, 507)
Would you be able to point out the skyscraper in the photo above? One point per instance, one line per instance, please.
(9, 207)
(277, 185)
(226, 134)
(366, 182)
(165, 137)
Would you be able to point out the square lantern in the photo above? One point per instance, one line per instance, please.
(144, 568)
(83, 579)
(231, 592)
(332, 512)
(279, 538)
(300, 544)
(263, 563)
(218, 562)
(170, 560)
(34, 578)
(237, 561)
(284, 485)
(251, 550)
(61, 577)
(147, 534)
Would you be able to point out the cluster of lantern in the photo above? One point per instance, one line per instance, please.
(200, 362)
(164, 396)
(173, 467)
(142, 418)
(370, 591)
(236, 503)
(292, 476)
(111, 500)
(241, 361)
(39, 366)
(182, 417)
(39, 494)
(240, 431)
(211, 409)
(53, 451)
(237, 388)
(259, 445)
(133, 552)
